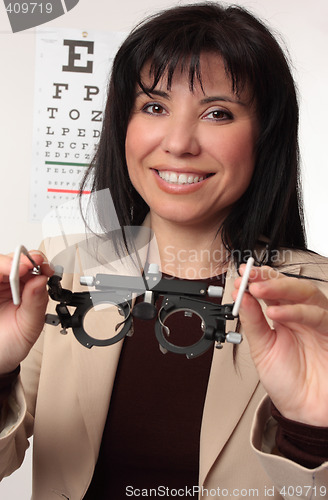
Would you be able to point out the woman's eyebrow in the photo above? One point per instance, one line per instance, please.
(205, 100)
(159, 93)
(223, 98)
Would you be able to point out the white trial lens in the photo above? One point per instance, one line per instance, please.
(14, 272)
(243, 286)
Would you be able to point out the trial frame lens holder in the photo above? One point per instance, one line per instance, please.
(177, 295)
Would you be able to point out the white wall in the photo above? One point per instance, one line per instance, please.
(304, 29)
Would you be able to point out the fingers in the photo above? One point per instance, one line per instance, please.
(25, 265)
(308, 316)
(23, 305)
(268, 284)
(5, 267)
(22, 275)
(41, 260)
(32, 286)
(261, 273)
(289, 300)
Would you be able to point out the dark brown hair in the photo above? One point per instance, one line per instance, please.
(271, 206)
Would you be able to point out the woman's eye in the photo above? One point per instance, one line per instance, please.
(154, 109)
(218, 115)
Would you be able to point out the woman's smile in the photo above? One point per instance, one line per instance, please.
(181, 178)
(179, 182)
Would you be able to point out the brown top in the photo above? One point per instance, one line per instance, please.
(305, 444)
(151, 438)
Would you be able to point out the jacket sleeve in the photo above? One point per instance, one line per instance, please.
(18, 421)
(291, 480)
(15, 430)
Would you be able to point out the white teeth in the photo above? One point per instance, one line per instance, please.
(174, 178)
(183, 179)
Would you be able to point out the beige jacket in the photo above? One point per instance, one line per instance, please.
(63, 395)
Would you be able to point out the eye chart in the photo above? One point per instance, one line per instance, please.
(71, 78)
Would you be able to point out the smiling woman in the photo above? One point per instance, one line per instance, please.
(199, 142)
(190, 152)
(200, 84)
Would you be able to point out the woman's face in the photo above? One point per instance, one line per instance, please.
(190, 153)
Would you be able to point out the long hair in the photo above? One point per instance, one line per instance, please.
(271, 207)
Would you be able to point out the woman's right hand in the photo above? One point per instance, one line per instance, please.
(20, 326)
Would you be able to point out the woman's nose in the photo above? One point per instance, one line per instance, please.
(181, 138)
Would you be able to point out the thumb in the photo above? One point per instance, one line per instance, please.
(34, 302)
(35, 294)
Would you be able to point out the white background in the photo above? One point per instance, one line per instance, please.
(303, 27)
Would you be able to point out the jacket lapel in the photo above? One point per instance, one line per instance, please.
(95, 368)
(95, 371)
(229, 389)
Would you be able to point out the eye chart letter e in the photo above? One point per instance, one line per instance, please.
(24, 14)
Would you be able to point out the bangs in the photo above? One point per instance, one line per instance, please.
(164, 68)
(181, 51)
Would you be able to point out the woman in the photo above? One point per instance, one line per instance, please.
(199, 137)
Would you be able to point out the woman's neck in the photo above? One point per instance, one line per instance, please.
(189, 252)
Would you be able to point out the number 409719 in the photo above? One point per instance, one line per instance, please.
(29, 8)
(303, 491)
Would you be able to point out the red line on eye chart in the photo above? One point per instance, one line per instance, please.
(67, 191)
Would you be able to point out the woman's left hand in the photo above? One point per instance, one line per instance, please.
(291, 356)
